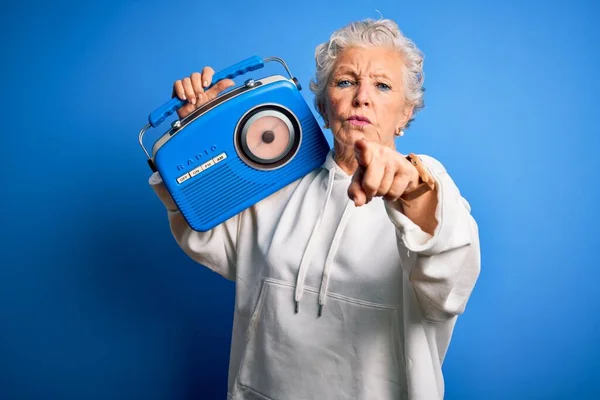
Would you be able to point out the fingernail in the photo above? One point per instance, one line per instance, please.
(205, 83)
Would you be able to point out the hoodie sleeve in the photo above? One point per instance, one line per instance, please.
(215, 249)
(442, 268)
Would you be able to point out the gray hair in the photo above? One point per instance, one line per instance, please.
(382, 32)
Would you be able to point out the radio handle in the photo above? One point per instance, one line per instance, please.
(240, 68)
(250, 64)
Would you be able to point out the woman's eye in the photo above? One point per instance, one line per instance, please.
(383, 86)
(343, 83)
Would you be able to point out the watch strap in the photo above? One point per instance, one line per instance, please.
(426, 180)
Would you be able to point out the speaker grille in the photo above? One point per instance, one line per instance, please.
(227, 185)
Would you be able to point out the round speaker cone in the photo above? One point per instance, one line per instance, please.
(267, 137)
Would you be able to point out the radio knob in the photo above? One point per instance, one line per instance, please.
(250, 83)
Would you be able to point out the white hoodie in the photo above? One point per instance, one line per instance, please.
(335, 301)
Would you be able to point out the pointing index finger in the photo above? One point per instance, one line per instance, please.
(363, 152)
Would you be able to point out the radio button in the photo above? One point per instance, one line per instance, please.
(183, 178)
(220, 157)
(208, 164)
(195, 171)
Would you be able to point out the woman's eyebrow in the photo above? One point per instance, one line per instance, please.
(345, 69)
(381, 74)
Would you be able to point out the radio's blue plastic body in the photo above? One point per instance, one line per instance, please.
(228, 185)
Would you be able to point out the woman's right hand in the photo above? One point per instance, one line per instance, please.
(192, 89)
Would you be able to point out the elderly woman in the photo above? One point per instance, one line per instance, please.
(350, 280)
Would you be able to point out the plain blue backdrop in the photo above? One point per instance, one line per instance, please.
(98, 302)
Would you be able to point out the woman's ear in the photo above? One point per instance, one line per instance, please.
(407, 115)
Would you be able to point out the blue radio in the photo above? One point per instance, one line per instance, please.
(237, 149)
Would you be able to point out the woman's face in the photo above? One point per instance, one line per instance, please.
(365, 97)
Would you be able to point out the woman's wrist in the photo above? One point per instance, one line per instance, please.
(415, 180)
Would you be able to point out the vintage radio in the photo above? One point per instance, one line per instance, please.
(237, 149)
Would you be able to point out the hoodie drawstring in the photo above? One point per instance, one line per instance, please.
(307, 253)
(332, 252)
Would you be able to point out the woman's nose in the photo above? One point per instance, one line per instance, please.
(362, 95)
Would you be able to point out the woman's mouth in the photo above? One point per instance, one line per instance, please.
(358, 120)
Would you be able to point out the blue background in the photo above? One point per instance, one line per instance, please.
(98, 302)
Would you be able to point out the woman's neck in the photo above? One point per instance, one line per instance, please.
(345, 158)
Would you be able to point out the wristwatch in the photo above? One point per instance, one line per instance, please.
(426, 181)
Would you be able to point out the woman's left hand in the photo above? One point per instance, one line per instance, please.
(382, 171)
